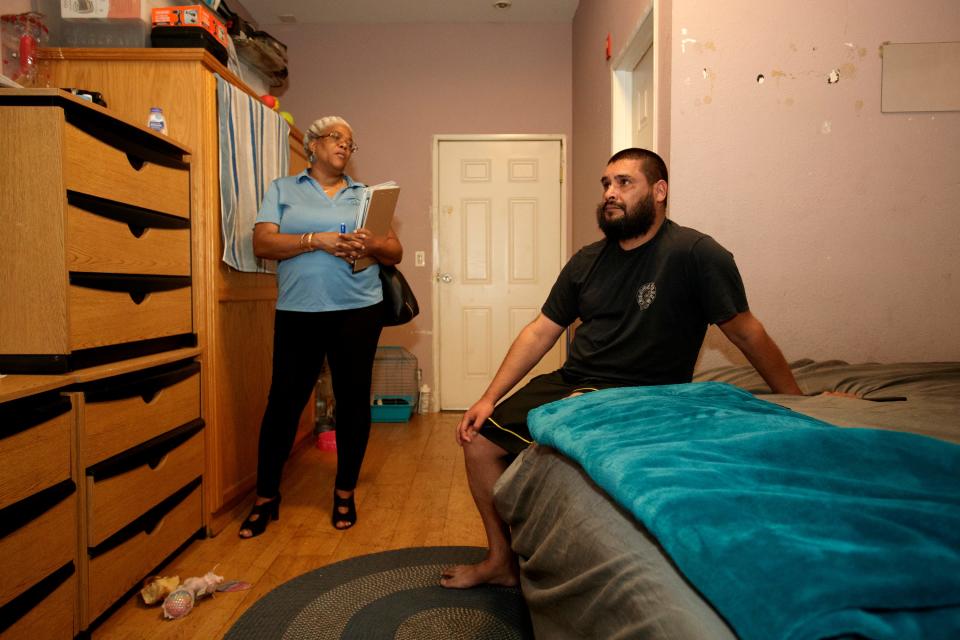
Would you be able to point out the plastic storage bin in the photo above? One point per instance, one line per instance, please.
(391, 408)
(394, 389)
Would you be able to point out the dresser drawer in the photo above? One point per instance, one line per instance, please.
(37, 536)
(100, 317)
(103, 244)
(124, 411)
(96, 168)
(114, 570)
(35, 436)
(161, 469)
(49, 612)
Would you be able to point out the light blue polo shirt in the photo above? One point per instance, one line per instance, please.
(316, 280)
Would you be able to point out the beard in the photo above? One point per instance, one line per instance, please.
(632, 224)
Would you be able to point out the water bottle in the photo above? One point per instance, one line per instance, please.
(156, 121)
(425, 399)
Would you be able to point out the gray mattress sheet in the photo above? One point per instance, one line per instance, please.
(589, 570)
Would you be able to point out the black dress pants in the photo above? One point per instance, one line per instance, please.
(301, 340)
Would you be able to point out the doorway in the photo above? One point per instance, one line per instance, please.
(500, 233)
(634, 84)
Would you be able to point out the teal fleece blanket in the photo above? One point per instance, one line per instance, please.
(790, 527)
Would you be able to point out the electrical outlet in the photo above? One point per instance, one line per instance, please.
(419, 259)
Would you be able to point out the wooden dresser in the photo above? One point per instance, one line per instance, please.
(97, 222)
(101, 464)
(233, 311)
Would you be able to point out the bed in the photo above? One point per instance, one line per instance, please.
(717, 510)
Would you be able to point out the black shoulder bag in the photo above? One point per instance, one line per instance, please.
(399, 304)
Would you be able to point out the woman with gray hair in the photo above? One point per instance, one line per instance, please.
(324, 310)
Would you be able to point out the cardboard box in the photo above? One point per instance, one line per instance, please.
(196, 15)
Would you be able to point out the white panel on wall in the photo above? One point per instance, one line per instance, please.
(475, 244)
(523, 239)
(522, 170)
(920, 76)
(521, 317)
(475, 170)
(477, 324)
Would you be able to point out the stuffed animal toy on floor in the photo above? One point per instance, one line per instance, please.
(180, 602)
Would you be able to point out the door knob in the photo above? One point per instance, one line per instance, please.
(445, 277)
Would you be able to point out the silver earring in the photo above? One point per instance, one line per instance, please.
(312, 158)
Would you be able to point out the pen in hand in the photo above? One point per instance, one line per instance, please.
(343, 229)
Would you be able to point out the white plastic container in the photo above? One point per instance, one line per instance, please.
(425, 399)
(156, 121)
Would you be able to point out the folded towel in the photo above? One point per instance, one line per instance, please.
(254, 151)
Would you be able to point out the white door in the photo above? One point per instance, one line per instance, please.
(499, 233)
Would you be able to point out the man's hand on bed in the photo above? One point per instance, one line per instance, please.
(473, 418)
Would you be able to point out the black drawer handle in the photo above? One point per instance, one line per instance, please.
(135, 162)
(137, 286)
(26, 413)
(134, 216)
(146, 523)
(13, 611)
(149, 453)
(145, 384)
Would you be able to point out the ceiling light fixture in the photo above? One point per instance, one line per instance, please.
(503, 4)
(287, 17)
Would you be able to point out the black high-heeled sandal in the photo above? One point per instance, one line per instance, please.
(350, 516)
(264, 514)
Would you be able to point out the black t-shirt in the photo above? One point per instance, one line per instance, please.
(645, 311)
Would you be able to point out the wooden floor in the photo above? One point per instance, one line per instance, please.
(412, 493)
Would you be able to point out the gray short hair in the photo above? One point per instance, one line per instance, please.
(317, 128)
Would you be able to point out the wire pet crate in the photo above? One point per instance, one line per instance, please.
(393, 393)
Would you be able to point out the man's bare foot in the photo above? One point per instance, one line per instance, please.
(465, 576)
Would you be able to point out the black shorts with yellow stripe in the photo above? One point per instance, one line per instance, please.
(507, 427)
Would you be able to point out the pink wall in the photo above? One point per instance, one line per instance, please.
(400, 84)
(844, 221)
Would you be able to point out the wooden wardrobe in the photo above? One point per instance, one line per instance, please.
(233, 311)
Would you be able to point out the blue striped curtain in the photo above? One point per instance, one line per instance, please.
(253, 152)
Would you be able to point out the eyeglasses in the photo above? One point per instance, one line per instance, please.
(337, 138)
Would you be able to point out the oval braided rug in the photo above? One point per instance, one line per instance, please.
(394, 594)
